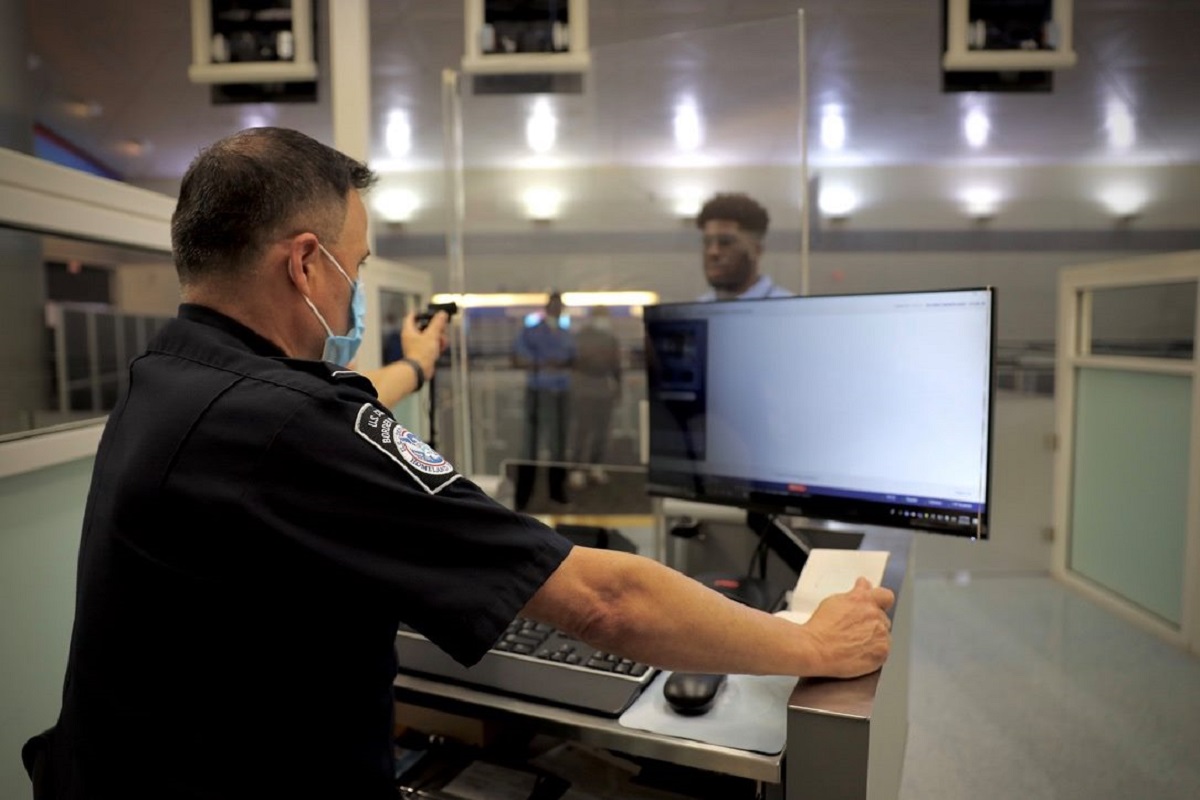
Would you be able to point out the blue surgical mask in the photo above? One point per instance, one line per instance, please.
(341, 350)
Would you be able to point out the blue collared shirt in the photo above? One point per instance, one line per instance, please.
(548, 352)
(762, 288)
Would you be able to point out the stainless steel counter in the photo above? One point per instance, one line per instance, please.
(845, 738)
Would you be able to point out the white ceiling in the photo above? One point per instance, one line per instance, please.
(736, 59)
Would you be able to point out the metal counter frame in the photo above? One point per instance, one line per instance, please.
(845, 738)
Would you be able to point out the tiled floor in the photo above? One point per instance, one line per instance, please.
(1022, 688)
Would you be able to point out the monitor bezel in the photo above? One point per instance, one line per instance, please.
(841, 509)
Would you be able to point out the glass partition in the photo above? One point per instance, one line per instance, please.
(1156, 320)
(77, 311)
(608, 185)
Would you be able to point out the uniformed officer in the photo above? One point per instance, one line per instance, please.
(258, 524)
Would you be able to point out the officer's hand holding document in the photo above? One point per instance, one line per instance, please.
(827, 578)
(828, 572)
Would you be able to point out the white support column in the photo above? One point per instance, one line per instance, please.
(350, 79)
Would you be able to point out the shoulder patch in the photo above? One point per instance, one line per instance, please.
(423, 464)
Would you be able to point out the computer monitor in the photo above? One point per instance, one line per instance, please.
(870, 408)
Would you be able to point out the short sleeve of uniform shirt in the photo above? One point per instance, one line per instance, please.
(351, 488)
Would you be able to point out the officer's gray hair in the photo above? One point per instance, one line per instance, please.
(247, 190)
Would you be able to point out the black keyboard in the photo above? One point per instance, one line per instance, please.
(536, 661)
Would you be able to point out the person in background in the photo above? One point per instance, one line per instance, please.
(546, 351)
(259, 524)
(733, 227)
(595, 392)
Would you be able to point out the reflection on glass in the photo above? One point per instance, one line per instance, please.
(394, 307)
(705, 120)
(1156, 321)
(91, 309)
(561, 443)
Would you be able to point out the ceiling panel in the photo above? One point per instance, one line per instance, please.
(875, 59)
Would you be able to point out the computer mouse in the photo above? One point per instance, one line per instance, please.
(692, 693)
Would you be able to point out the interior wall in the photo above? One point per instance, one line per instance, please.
(39, 544)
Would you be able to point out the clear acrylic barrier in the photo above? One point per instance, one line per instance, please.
(611, 180)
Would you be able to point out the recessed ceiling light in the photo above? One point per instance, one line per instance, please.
(1124, 199)
(981, 202)
(542, 203)
(84, 109)
(688, 202)
(976, 128)
(395, 205)
(833, 127)
(398, 134)
(689, 133)
(836, 202)
(134, 148)
(1120, 125)
(541, 128)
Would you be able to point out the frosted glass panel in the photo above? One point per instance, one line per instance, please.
(1132, 432)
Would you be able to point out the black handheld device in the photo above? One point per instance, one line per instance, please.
(426, 316)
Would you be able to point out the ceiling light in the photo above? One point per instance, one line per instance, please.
(836, 202)
(1124, 200)
(1119, 123)
(688, 203)
(689, 133)
(133, 148)
(541, 128)
(542, 203)
(981, 201)
(976, 128)
(395, 205)
(833, 127)
(84, 109)
(397, 135)
(570, 299)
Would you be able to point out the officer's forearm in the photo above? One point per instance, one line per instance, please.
(393, 382)
(638, 608)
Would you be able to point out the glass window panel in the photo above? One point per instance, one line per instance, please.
(721, 126)
(106, 345)
(1157, 320)
(129, 331)
(75, 325)
(55, 284)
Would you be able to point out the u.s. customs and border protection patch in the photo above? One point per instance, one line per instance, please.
(424, 464)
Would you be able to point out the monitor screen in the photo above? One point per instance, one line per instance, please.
(873, 408)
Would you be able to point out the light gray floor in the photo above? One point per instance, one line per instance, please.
(1022, 688)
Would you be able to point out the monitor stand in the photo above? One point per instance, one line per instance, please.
(792, 543)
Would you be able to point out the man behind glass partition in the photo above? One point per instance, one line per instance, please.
(734, 225)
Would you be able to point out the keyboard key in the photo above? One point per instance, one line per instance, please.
(638, 670)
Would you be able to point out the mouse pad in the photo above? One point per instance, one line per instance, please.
(750, 713)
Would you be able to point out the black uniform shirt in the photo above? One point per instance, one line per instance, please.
(256, 528)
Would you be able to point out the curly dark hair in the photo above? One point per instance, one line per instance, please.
(736, 207)
(242, 192)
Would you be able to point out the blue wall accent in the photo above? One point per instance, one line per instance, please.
(48, 148)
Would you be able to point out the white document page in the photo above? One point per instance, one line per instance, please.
(830, 571)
